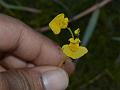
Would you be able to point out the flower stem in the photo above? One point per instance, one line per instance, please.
(62, 62)
(71, 32)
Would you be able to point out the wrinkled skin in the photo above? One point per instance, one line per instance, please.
(25, 53)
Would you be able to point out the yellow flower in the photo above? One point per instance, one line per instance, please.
(58, 23)
(73, 49)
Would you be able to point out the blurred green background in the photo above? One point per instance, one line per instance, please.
(100, 33)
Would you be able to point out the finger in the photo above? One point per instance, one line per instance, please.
(26, 44)
(10, 62)
(34, 79)
(2, 69)
(69, 67)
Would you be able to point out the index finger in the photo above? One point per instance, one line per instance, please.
(23, 42)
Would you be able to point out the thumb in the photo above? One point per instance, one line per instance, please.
(40, 78)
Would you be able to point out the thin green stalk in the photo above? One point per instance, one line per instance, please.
(71, 32)
(91, 27)
(33, 10)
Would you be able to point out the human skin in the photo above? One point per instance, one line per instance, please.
(28, 59)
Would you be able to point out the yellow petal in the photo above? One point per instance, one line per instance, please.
(66, 20)
(66, 50)
(58, 23)
(74, 55)
(77, 40)
(54, 27)
(55, 23)
(80, 52)
(71, 40)
(64, 23)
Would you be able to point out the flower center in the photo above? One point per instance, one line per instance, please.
(74, 46)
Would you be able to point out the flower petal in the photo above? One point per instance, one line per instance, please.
(65, 23)
(77, 40)
(66, 50)
(58, 23)
(54, 27)
(80, 52)
(74, 55)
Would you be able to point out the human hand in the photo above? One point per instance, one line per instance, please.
(28, 60)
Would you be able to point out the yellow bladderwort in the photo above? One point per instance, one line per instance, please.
(73, 49)
(58, 23)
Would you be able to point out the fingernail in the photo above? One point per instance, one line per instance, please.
(55, 80)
